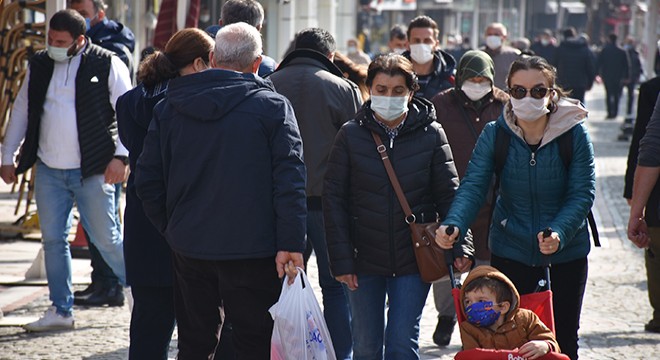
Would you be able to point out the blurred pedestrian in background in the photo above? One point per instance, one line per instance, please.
(545, 46)
(398, 42)
(369, 241)
(636, 72)
(614, 69)
(502, 54)
(574, 61)
(355, 54)
(463, 112)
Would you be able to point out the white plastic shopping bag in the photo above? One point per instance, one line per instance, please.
(299, 331)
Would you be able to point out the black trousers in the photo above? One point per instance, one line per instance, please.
(612, 97)
(568, 283)
(152, 322)
(245, 288)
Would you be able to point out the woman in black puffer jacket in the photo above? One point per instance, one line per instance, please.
(369, 242)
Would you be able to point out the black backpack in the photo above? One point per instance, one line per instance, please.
(502, 142)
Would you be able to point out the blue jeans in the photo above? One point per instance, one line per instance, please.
(399, 335)
(335, 303)
(55, 192)
(102, 274)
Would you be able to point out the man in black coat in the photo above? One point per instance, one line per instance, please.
(645, 200)
(614, 69)
(635, 72)
(575, 65)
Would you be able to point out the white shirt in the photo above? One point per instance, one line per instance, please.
(58, 132)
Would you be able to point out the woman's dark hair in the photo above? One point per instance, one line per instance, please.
(70, 21)
(548, 71)
(393, 64)
(354, 72)
(181, 50)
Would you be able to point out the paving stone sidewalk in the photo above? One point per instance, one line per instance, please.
(614, 311)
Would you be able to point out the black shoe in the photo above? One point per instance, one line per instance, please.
(113, 296)
(89, 290)
(444, 329)
(652, 326)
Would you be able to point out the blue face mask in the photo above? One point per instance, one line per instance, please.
(482, 314)
(88, 23)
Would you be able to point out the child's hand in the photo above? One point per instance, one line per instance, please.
(534, 349)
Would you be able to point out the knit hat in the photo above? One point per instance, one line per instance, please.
(474, 63)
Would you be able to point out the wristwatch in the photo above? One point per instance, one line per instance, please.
(123, 159)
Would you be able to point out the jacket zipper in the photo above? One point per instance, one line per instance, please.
(391, 225)
(535, 213)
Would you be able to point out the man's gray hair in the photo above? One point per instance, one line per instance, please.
(247, 11)
(237, 46)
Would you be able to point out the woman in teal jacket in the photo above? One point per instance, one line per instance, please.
(537, 191)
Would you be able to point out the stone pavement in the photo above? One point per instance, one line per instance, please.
(614, 312)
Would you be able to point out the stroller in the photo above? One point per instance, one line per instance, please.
(540, 302)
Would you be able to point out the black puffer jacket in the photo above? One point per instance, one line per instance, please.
(365, 226)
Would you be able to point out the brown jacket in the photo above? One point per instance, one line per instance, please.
(456, 113)
(520, 325)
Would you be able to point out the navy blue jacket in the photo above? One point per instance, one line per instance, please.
(147, 256)
(115, 37)
(221, 174)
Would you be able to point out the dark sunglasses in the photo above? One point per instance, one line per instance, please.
(538, 92)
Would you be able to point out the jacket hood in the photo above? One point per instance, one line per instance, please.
(475, 63)
(314, 56)
(196, 95)
(491, 272)
(421, 112)
(113, 32)
(570, 112)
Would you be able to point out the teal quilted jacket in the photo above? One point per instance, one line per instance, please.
(533, 195)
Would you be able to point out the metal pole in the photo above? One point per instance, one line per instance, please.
(651, 36)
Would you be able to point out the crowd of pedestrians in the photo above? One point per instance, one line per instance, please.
(240, 167)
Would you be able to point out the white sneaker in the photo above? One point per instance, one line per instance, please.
(51, 321)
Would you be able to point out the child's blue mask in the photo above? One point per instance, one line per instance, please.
(481, 314)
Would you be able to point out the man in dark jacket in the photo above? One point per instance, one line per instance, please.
(65, 113)
(647, 194)
(434, 67)
(545, 47)
(113, 36)
(221, 175)
(575, 65)
(614, 69)
(309, 79)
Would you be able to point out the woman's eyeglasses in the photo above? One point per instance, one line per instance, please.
(537, 92)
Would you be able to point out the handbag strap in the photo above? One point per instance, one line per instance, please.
(382, 150)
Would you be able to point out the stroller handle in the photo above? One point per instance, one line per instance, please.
(546, 263)
(449, 258)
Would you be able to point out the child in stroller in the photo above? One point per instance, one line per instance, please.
(490, 303)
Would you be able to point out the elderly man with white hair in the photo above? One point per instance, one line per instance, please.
(222, 176)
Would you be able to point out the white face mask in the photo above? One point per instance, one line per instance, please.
(530, 109)
(493, 42)
(421, 53)
(58, 53)
(352, 49)
(389, 108)
(475, 91)
(545, 42)
(399, 50)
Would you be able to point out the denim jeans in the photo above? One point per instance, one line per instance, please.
(335, 303)
(102, 274)
(399, 335)
(55, 192)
